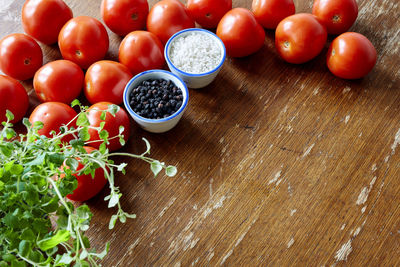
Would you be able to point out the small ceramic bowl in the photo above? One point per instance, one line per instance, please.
(195, 80)
(156, 125)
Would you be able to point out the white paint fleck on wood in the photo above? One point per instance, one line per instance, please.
(374, 168)
(344, 251)
(170, 203)
(343, 226)
(210, 187)
(195, 261)
(346, 90)
(292, 212)
(226, 257)
(356, 232)
(195, 206)
(276, 177)
(363, 196)
(178, 264)
(221, 140)
(316, 91)
(211, 255)
(396, 142)
(308, 150)
(363, 209)
(346, 119)
(290, 243)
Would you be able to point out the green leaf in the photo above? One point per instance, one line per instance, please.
(82, 120)
(83, 255)
(16, 169)
(103, 253)
(10, 220)
(147, 146)
(59, 237)
(122, 218)
(75, 102)
(84, 134)
(122, 140)
(103, 116)
(27, 123)
(103, 148)
(113, 220)
(27, 234)
(171, 171)
(114, 200)
(9, 115)
(84, 212)
(65, 259)
(121, 167)
(102, 124)
(24, 248)
(155, 167)
(72, 163)
(9, 257)
(16, 263)
(113, 109)
(38, 125)
(5, 151)
(131, 216)
(104, 135)
(9, 133)
(121, 129)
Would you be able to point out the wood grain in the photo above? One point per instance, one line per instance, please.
(278, 164)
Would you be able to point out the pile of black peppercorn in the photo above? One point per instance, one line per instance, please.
(156, 99)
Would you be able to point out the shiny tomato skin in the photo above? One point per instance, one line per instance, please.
(300, 38)
(140, 51)
(112, 125)
(58, 81)
(105, 80)
(124, 16)
(208, 13)
(20, 56)
(351, 56)
(13, 97)
(43, 19)
(88, 186)
(270, 12)
(336, 15)
(83, 40)
(168, 17)
(53, 115)
(241, 33)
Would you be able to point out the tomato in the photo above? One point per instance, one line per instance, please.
(105, 81)
(53, 115)
(111, 125)
(168, 17)
(240, 32)
(83, 40)
(336, 15)
(88, 186)
(124, 16)
(20, 56)
(299, 38)
(140, 51)
(13, 97)
(208, 13)
(270, 12)
(43, 19)
(351, 56)
(59, 81)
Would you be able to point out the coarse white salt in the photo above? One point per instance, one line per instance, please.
(195, 53)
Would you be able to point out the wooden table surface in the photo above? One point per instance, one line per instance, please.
(278, 164)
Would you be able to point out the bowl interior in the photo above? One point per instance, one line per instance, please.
(187, 32)
(155, 74)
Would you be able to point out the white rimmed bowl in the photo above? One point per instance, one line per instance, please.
(156, 125)
(197, 80)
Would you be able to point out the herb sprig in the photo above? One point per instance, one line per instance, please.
(38, 225)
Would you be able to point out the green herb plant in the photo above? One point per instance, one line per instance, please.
(38, 225)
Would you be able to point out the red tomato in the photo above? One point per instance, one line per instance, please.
(20, 56)
(83, 40)
(336, 15)
(58, 81)
(351, 56)
(124, 16)
(88, 186)
(53, 115)
(12, 97)
(208, 13)
(112, 125)
(300, 38)
(270, 12)
(105, 81)
(43, 19)
(168, 17)
(240, 32)
(140, 51)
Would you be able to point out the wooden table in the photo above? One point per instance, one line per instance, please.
(278, 164)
